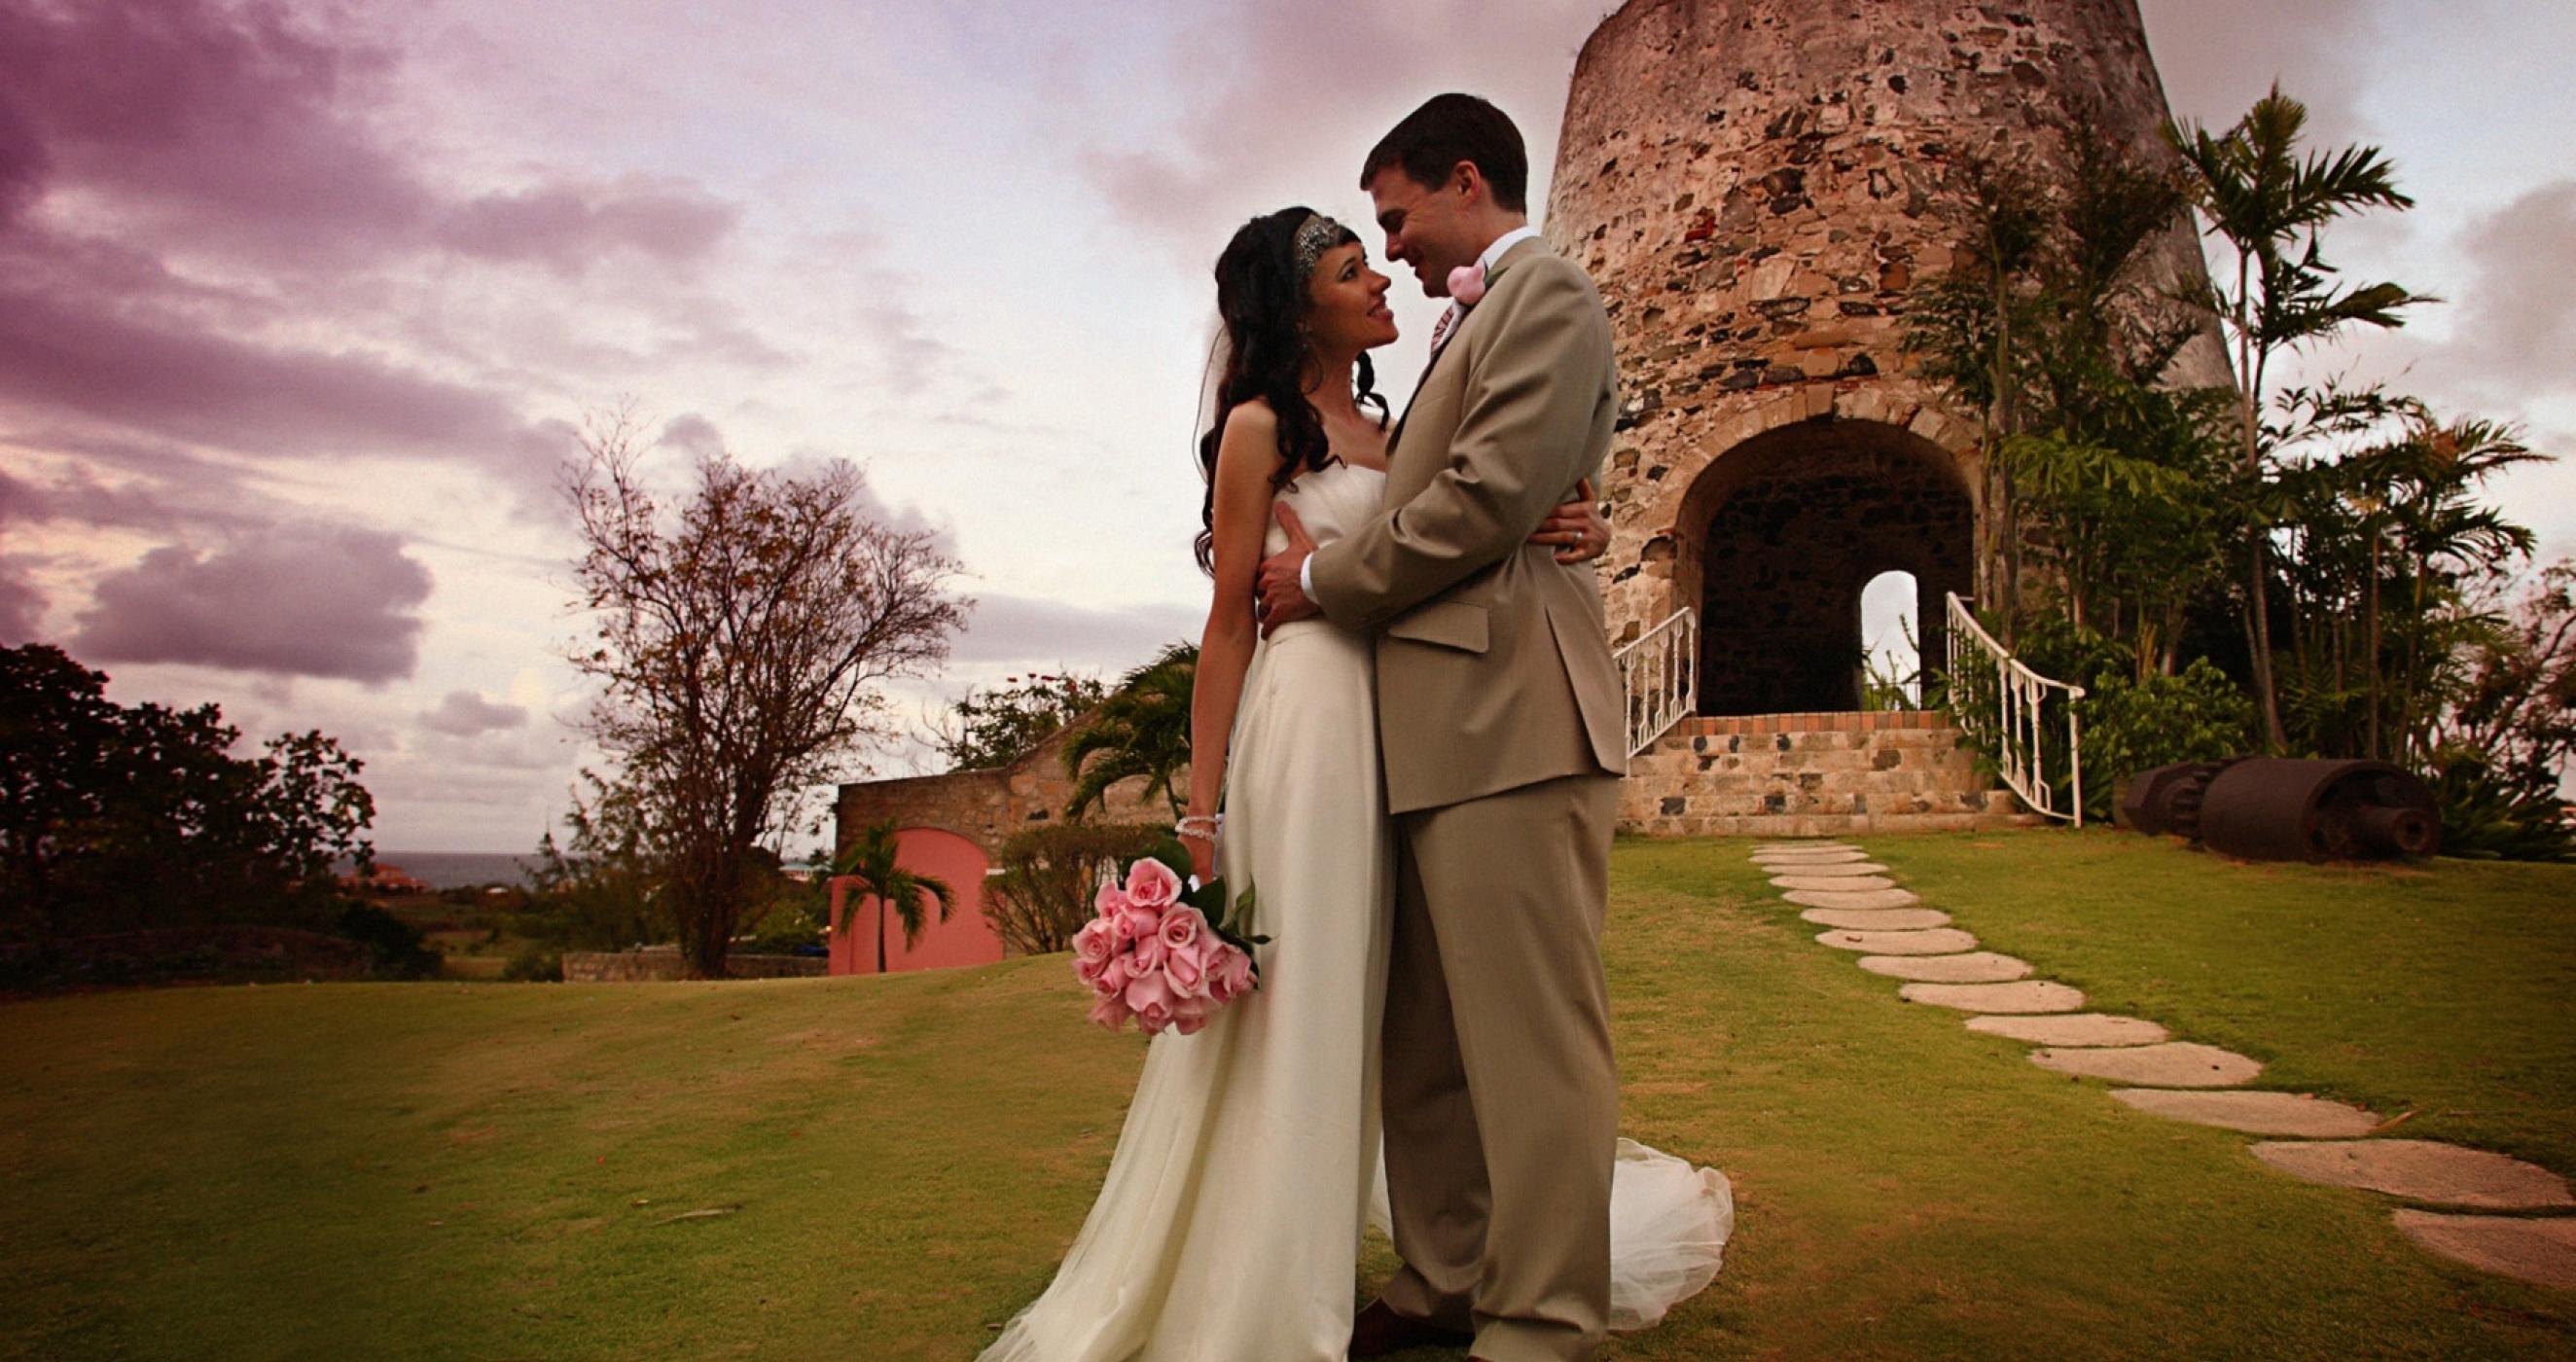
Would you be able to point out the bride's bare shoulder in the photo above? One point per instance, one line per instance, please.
(1251, 437)
(1253, 417)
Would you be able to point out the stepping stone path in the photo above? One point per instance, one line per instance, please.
(2030, 995)
(2314, 1139)
(1857, 898)
(1975, 967)
(2255, 1113)
(2542, 1252)
(1824, 884)
(1879, 920)
(1830, 870)
(2090, 1028)
(2174, 1064)
(1939, 941)
(2422, 1170)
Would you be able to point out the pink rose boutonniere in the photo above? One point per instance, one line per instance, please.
(1467, 284)
(1163, 956)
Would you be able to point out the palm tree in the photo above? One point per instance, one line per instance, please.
(2269, 204)
(1142, 729)
(869, 859)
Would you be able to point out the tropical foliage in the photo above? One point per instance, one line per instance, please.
(116, 817)
(996, 727)
(2239, 565)
(1142, 729)
(869, 862)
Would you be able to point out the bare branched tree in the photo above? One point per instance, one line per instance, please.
(742, 639)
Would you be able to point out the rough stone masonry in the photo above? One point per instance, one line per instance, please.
(1757, 186)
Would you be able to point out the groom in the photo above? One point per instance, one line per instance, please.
(1499, 720)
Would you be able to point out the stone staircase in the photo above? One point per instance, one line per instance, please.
(1813, 775)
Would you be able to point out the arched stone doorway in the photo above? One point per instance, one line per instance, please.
(1780, 534)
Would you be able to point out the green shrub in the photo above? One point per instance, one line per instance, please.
(1049, 874)
(536, 962)
(400, 952)
(2125, 725)
(2489, 815)
(2130, 726)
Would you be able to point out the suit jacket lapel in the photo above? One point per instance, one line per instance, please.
(1450, 341)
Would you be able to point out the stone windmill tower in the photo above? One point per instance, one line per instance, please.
(1755, 186)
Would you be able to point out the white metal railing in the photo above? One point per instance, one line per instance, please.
(1659, 671)
(2007, 719)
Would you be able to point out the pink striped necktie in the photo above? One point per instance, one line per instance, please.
(1448, 322)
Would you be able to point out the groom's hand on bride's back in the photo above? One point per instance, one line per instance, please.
(1279, 597)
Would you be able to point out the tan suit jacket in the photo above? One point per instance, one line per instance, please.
(1493, 665)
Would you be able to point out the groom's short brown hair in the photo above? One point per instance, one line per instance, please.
(1433, 139)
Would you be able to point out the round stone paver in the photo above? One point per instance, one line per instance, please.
(1829, 870)
(1938, 941)
(2422, 1170)
(1975, 967)
(2538, 1251)
(2174, 1064)
(2256, 1113)
(1862, 898)
(1810, 844)
(1793, 865)
(2030, 995)
(2089, 1028)
(1855, 885)
(1880, 920)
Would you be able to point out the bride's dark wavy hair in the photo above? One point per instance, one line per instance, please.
(1262, 301)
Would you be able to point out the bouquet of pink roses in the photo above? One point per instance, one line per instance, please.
(1162, 956)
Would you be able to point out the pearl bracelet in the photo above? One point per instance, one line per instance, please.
(1202, 825)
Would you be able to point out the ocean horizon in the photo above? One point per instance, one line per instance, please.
(454, 869)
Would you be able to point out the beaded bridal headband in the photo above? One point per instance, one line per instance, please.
(1316, 235)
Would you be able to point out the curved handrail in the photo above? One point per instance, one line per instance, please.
(1659, 673)
(2013, 728)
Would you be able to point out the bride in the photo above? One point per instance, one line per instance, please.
(1228, 1227)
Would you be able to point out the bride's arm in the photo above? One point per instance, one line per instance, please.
(1246, 457)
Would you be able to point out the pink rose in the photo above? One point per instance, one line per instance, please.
(1110, 901)
(1114, 975)
(1232, 971)
(1148, 954)
(1189, 1014)
(1467, 283)
(1142, 922)
(1092, 948)
(1151, 884)
(1151, 1000)
(1109, 1011)
(1181, 927)
(1185, 970)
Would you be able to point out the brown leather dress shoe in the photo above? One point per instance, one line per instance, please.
(1379, 1330)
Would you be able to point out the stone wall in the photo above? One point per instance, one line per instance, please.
(1809, 775)
(1756, 187)
(987, 806)
(654, 963)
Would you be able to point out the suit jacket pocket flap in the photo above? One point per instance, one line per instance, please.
(1451, 624)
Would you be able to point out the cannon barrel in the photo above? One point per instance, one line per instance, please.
(2280, 809)
(2167, 798)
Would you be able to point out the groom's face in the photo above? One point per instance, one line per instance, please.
(1423, 226)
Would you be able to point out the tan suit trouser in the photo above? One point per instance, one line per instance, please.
(1500, 1094)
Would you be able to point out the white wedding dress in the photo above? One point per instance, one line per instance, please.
(1228, 1228)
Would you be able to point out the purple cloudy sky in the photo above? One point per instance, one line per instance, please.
(301, 302)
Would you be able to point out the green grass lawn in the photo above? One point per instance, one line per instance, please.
(491, 1171)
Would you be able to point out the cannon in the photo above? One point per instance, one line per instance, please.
(2281, 809)
(2167, 798)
